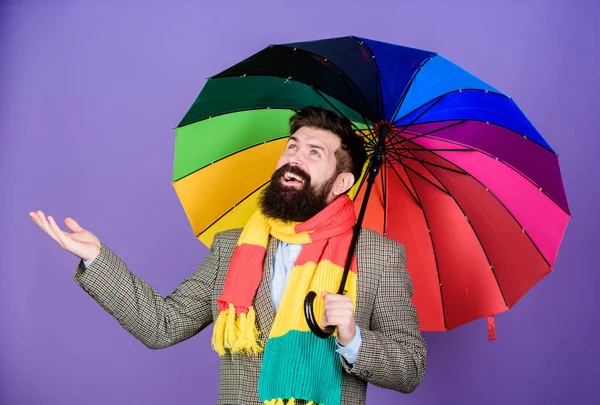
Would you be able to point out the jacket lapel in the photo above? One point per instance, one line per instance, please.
(263, 301)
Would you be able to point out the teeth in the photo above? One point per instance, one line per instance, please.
(290, 176)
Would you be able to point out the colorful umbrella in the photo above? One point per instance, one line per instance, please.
(466, 183)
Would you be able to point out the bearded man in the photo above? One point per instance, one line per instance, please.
(253, 282)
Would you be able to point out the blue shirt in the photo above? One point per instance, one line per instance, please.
(284, 260)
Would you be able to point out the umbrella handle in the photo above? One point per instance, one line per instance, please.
(309, 314)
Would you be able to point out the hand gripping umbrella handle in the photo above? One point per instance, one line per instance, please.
(309, 312)
(310, 318)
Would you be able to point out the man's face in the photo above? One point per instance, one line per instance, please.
(306, 174)
(312, 151)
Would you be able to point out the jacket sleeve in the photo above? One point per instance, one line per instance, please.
(156, 321)
(392, 353)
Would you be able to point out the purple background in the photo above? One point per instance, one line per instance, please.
(89, 97)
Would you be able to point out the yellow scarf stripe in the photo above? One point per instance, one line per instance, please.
(280, 401)
(286, 231)
(256, 232)
(326, 278)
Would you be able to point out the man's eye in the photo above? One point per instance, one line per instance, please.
(292, 147)
(315, 153)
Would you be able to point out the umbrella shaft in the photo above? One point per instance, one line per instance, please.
(375, 165)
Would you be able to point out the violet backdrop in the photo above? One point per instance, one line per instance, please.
(89, 95)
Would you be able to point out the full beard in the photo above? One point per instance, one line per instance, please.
(288, 203)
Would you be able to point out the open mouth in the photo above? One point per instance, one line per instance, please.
(291, 179)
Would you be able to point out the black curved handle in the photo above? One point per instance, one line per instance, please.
(309, 314)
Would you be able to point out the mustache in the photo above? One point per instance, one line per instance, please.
(292, 169)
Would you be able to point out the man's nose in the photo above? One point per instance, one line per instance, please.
(295, 160)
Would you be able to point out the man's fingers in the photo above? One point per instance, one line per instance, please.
(37, 218)
(335, 298)
(335, 321)
(346, 310)
(34, 217)
(41, 220)
(73, 225)
(345, 303)
(61, 238)
(46, 226)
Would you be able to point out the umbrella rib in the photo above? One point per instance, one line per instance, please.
(384, 191)
(405, 130)
(370, 138)
(487, 258)
(486, 122)
(399, 158)
(430, 163)
(379, 96)
(377, 78)
(435, 258)
(420, 175)
(327, 63)
(405, 126)
(229, 210)
(365, 121)
(232, 154)
(233, 112)
(405, 186)
(452, 92)
(347, 81)
(408, 86)
(350, 85)
(405, 139)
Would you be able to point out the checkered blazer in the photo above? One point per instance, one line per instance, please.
(392, 353)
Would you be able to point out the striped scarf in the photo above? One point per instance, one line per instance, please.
(296, 364)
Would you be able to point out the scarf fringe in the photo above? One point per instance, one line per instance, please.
(238, 333)
(280, 401)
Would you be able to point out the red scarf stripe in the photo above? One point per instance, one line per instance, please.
(241, 285)
(335, 256)
(323, 225)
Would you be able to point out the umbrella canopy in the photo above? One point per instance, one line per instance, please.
(466, 184)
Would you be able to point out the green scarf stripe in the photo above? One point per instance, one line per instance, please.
(302, 366)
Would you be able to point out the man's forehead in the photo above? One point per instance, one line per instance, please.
(316, 136)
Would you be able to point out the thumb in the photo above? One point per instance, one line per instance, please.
(73, 225)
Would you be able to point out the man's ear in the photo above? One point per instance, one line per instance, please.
(343, 183)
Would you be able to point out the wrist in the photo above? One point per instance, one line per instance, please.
(95, 252)
(346, 339)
